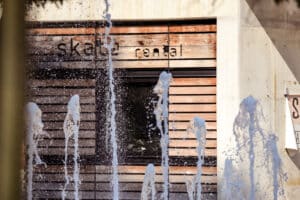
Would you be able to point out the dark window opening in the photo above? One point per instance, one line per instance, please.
(138, 137)
(142, 136)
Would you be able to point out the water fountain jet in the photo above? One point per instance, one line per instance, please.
(161, 114)
(149, 183)
(197, 127)
(259, 145)
(71, 128)
(34, 134)
(109, 45)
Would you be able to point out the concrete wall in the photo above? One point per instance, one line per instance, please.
(269, 45)
(249, 60)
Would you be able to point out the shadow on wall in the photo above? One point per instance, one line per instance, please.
(279, 1)
(281, 21)
(295, 157)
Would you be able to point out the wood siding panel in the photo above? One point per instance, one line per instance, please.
(205, 39)
(134, 46)
(62, 116)
(59, 151)
(189, 116)
(192, 99)
(50, 180)
(62, 83)
(150, 64)
(62, 108)
(60, 31)
(141, 40)
(59, 134)
(190, 152)
(192, 108)
(62, 92)
(60, 100)
(191, 143)
(135, 29)
(204, 63)
(194, 81)
(184, 125)
(189, 97)
(192, 28)
(175, 134)
(52, 96)
(192, 90)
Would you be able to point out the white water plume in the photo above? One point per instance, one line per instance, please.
(161, 114)
(197, 127)
(109, 44)
(274, 162)
(246, 128)
(34, 134)
(71, 129)
(260, 147)
(232, 183)
(149, 183)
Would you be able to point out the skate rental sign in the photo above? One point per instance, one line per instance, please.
(76, 48)
(134, 47)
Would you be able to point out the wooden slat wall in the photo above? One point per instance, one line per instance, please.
(190, 97)
(195, 48)
(49, 181)
(52, 96)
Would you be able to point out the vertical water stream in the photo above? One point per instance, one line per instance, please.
(71, 129)
(108, 44)
(34, 133)
(149, 183)
(197, 128)
(260, 146)
(161, 114)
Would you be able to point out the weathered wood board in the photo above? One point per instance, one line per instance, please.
(134, 47)
(190, 97)
(96, 181)
(52, 96)
(173, 46)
